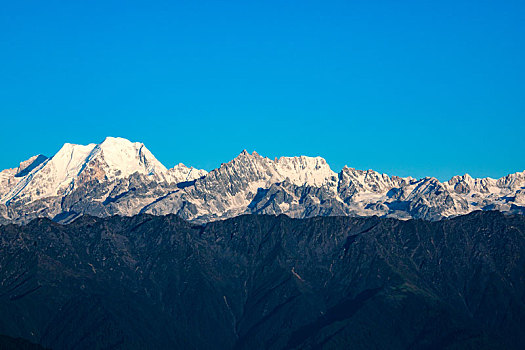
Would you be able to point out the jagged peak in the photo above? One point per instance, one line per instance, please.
(283, 159)
(117, 158)
(243, 157)
(247, 154)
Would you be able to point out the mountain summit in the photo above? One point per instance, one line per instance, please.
(122, 177)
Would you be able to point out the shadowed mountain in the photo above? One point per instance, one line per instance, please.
(9, 343)
(265, 282)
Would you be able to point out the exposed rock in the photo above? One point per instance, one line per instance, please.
(122, 177)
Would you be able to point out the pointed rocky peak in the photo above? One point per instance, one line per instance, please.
(245, 155)
(247, 161)
(250, 171)
(239, 158)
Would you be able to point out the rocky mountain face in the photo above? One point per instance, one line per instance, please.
(266, 282)
(124, 178)
(114, 177)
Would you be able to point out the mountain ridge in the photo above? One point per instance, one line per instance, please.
(118, 176)
(264, 281)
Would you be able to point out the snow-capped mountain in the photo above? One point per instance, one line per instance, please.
(122, 177)
(84, 178)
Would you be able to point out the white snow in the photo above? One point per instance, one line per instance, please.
(123, 158)
(114, 158)
(313, 171)
(228, 190)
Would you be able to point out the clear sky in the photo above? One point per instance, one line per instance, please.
(415, 88)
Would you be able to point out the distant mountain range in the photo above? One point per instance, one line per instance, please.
(122, 177)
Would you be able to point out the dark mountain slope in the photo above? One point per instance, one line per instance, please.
(265, 282)
(9, 343)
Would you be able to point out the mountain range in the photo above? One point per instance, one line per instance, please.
(264, 282)
(103, 247)
(119, 177)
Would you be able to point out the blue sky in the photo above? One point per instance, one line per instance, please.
(404, 87)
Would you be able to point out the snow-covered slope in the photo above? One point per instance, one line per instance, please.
(313, 171)
(7, 180)
(122, 177)
(115, 158)
(90, 174)
(181, 173)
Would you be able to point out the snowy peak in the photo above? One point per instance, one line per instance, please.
(230, 189)
(245, 157)
(123, 158)
(52, 177)
(182, 173)
(313, 171)
(68, 162)
(114, 158)
(243, 170)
